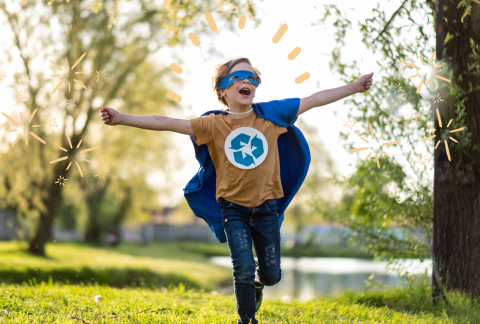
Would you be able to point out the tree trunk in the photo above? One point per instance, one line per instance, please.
(44, 228)
(94, 198)
(456, 210)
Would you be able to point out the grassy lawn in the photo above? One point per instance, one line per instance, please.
(128, 265)
(55, 303)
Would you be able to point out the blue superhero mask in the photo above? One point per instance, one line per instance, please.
(242, 74)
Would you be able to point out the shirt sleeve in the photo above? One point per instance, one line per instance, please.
(281, 112)
(202, 129)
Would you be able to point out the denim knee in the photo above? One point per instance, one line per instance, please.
(244, 274)
(271, 278)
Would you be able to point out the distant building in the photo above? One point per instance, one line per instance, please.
(8, 224)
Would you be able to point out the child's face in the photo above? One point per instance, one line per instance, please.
(232, 94)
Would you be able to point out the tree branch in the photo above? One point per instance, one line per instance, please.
(388, 23)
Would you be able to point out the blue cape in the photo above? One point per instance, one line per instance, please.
(294, 162)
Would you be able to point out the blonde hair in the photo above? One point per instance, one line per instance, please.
(222, 70)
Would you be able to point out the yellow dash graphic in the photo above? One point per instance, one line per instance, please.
(90, 149)
(448, 152)
(194, 39)
(440, 77)
(358, 149)
(391, 143)
(211, 22)
(302, 77)
(280, 32)
(427, 138)
(293, 54)
(241, 22)
(378, 163)
(174, 96)
(371, 131)
(457, 130)
(176, 68)
(11, 119)
(58, 160)
(411, 65)
(439, 119)
(76, 63)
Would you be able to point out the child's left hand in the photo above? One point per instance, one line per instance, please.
(363, 83)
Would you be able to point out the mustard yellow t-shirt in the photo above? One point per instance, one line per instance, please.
(244, 152)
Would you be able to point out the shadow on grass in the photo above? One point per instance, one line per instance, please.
(119, 278)
(418, 301)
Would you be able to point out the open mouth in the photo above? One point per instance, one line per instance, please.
(245, 92)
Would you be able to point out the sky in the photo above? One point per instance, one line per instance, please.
(277, 71)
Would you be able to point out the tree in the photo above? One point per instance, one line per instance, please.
(37, 38)
(452, 238)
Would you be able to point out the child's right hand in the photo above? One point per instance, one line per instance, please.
(110, 116)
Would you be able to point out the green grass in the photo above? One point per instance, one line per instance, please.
(54, 303)
(129, 265)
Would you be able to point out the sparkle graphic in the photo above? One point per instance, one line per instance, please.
(52, 122)
(101, 174)
(370, 153)
(22, 95)
(61, 181)
(397, 88)
(67, 77)
(417, 119)
(101, 75)
(425, 74)
(71, 103)
(445, 141)
(82, 158)
(350, 123)
(391, 122)
(423, 160)
(437, 98)
(25, 127)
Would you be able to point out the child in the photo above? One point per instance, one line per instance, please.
(247, 177)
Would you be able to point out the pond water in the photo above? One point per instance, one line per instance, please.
(305, 278)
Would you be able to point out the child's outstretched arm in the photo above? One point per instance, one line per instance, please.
(152, 122)
(325, 97)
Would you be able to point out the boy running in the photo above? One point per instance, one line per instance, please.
(240, 189)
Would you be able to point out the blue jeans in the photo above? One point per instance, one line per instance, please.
(242, 225)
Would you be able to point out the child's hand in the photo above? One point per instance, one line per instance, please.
(363, 83)
(110, 116)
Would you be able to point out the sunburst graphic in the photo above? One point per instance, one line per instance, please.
(101, 75)
(241, 24)
(67, 77)
(397, 88)
(22, 95)
(418, 119)
(66, 157)
(350, 124)
(445, 141)
(61, 181)
(71, 103)
(52, 122)
(437, 98)
(371, 151)
(423, 160)
(25, 128)
(101, 174)
(425, 73)
(391, 121)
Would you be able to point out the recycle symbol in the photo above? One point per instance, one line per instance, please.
(245, 149)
